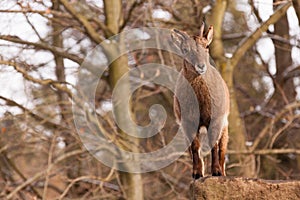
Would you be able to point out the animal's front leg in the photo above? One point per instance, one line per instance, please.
(215, 165)
(197, 160)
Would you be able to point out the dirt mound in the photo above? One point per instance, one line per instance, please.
(243, 188)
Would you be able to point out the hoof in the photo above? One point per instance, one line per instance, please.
(217, 173)
(196, 176)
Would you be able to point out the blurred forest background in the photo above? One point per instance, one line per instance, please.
(256, 47)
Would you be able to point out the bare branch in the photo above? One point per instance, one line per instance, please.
(44, 13)
(255, 11)
(47, 82)
(45, 122)
(266, 151)
(89, 178)
(134, 5)
(42, 173)
(39, 45)
(248, 42)
(84, 21)
(17, 170)
(278, 116)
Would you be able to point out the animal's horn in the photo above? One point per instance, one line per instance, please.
(202, 29)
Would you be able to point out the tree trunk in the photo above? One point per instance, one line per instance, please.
(236, 129)
(284, 87)
(63, 99)
(65, 105)
(131, 182)
(296, 4)
(237, 134)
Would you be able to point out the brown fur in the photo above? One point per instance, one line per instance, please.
(213, 98)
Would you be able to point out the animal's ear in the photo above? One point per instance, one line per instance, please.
(180, 39)
(205, 39)
(209, 35)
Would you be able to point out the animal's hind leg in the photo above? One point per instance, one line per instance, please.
(222, 149)
(197, 161)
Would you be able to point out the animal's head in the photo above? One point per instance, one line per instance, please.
(194, 49)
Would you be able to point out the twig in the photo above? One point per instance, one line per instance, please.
(276, 135)
(32, 26)
(46, 82)
(45, 122)
(42, 173)
(270, 123)
(44, 13)
(44, 46)
(84, 21)
(134, 5)
(17, 170)
(52, 146)
(247, 43)
(255, 11)
(265, 151)
(103, 180)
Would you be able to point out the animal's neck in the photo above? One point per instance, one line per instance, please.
(189, 71)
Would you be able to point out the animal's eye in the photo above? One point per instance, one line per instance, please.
(184, 50)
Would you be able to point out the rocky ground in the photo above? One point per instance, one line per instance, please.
(243, 188)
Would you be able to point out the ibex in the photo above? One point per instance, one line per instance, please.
(212, 95)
